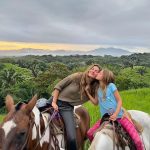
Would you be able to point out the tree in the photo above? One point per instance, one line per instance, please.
(141, 70)
(55, 72)
(10, 77)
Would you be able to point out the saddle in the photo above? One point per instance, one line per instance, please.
(122, 137)
(57, 122)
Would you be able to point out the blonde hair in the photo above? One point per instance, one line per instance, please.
(108, 77)
(86, 80)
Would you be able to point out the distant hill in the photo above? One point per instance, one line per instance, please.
(97, 52)
(109, 51)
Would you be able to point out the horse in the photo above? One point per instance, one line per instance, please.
(103, 139)
(26, 128)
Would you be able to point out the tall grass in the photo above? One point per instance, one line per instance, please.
(138, 99)
(1, 118)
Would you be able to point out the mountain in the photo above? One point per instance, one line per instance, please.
(97, 52)
(109, 51)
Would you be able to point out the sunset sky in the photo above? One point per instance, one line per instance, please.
(75, 24)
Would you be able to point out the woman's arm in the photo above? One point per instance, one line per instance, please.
(55, 97)
(92, 99)
(119, 105)
(59, 87)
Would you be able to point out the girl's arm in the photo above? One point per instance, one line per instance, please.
(92, 99)
(119, 105)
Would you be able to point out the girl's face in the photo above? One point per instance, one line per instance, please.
(100, 75)
(93, 72)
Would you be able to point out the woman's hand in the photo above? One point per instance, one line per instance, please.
(113, 117)
(55, 106)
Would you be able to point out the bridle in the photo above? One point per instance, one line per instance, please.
(31, 123)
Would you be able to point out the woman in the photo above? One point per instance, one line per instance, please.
(70, 92)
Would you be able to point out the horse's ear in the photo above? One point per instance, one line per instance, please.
(9, 103)
(31, 104)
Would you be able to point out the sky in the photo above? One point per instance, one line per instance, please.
(75, 24)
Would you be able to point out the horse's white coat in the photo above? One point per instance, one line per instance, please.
(102, 141)
(61, 141)
(46, 135)
(37, 122)
(8, 126)
(34, 132)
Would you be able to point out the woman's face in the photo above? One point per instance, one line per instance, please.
(100, 75)
(93, 72)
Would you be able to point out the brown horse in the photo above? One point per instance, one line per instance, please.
(25, 128)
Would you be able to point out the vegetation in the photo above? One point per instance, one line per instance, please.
(1, 118)
(132, 99)
(22, 77)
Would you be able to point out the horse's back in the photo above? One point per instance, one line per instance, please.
(100, 140)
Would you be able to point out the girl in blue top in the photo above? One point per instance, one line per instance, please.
(110, 102)
(108, 96)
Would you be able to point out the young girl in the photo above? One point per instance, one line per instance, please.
(110, 102)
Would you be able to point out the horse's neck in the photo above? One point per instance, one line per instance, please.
(103, 139)
(40, 129)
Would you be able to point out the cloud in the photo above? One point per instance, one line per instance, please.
(109, 22)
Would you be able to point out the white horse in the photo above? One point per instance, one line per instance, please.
(103, 141)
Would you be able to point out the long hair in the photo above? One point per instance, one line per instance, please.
(86, 80)
(108, 77)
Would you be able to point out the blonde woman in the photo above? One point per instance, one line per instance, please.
(70, 92)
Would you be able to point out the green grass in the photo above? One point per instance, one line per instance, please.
(138, 99)
(1, 117)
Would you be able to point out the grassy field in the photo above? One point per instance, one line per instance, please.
(132, 99)
(1, 117)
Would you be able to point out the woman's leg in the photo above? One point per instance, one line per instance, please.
(68, 118)
(66, 111)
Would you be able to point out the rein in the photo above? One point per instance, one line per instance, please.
(30, 127)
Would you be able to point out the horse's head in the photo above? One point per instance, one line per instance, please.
(15, 126)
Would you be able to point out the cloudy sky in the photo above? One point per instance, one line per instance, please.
(117, 23)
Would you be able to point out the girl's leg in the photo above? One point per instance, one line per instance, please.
(130, 128)
(91, 131)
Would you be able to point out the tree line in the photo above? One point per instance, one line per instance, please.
(22, 77)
